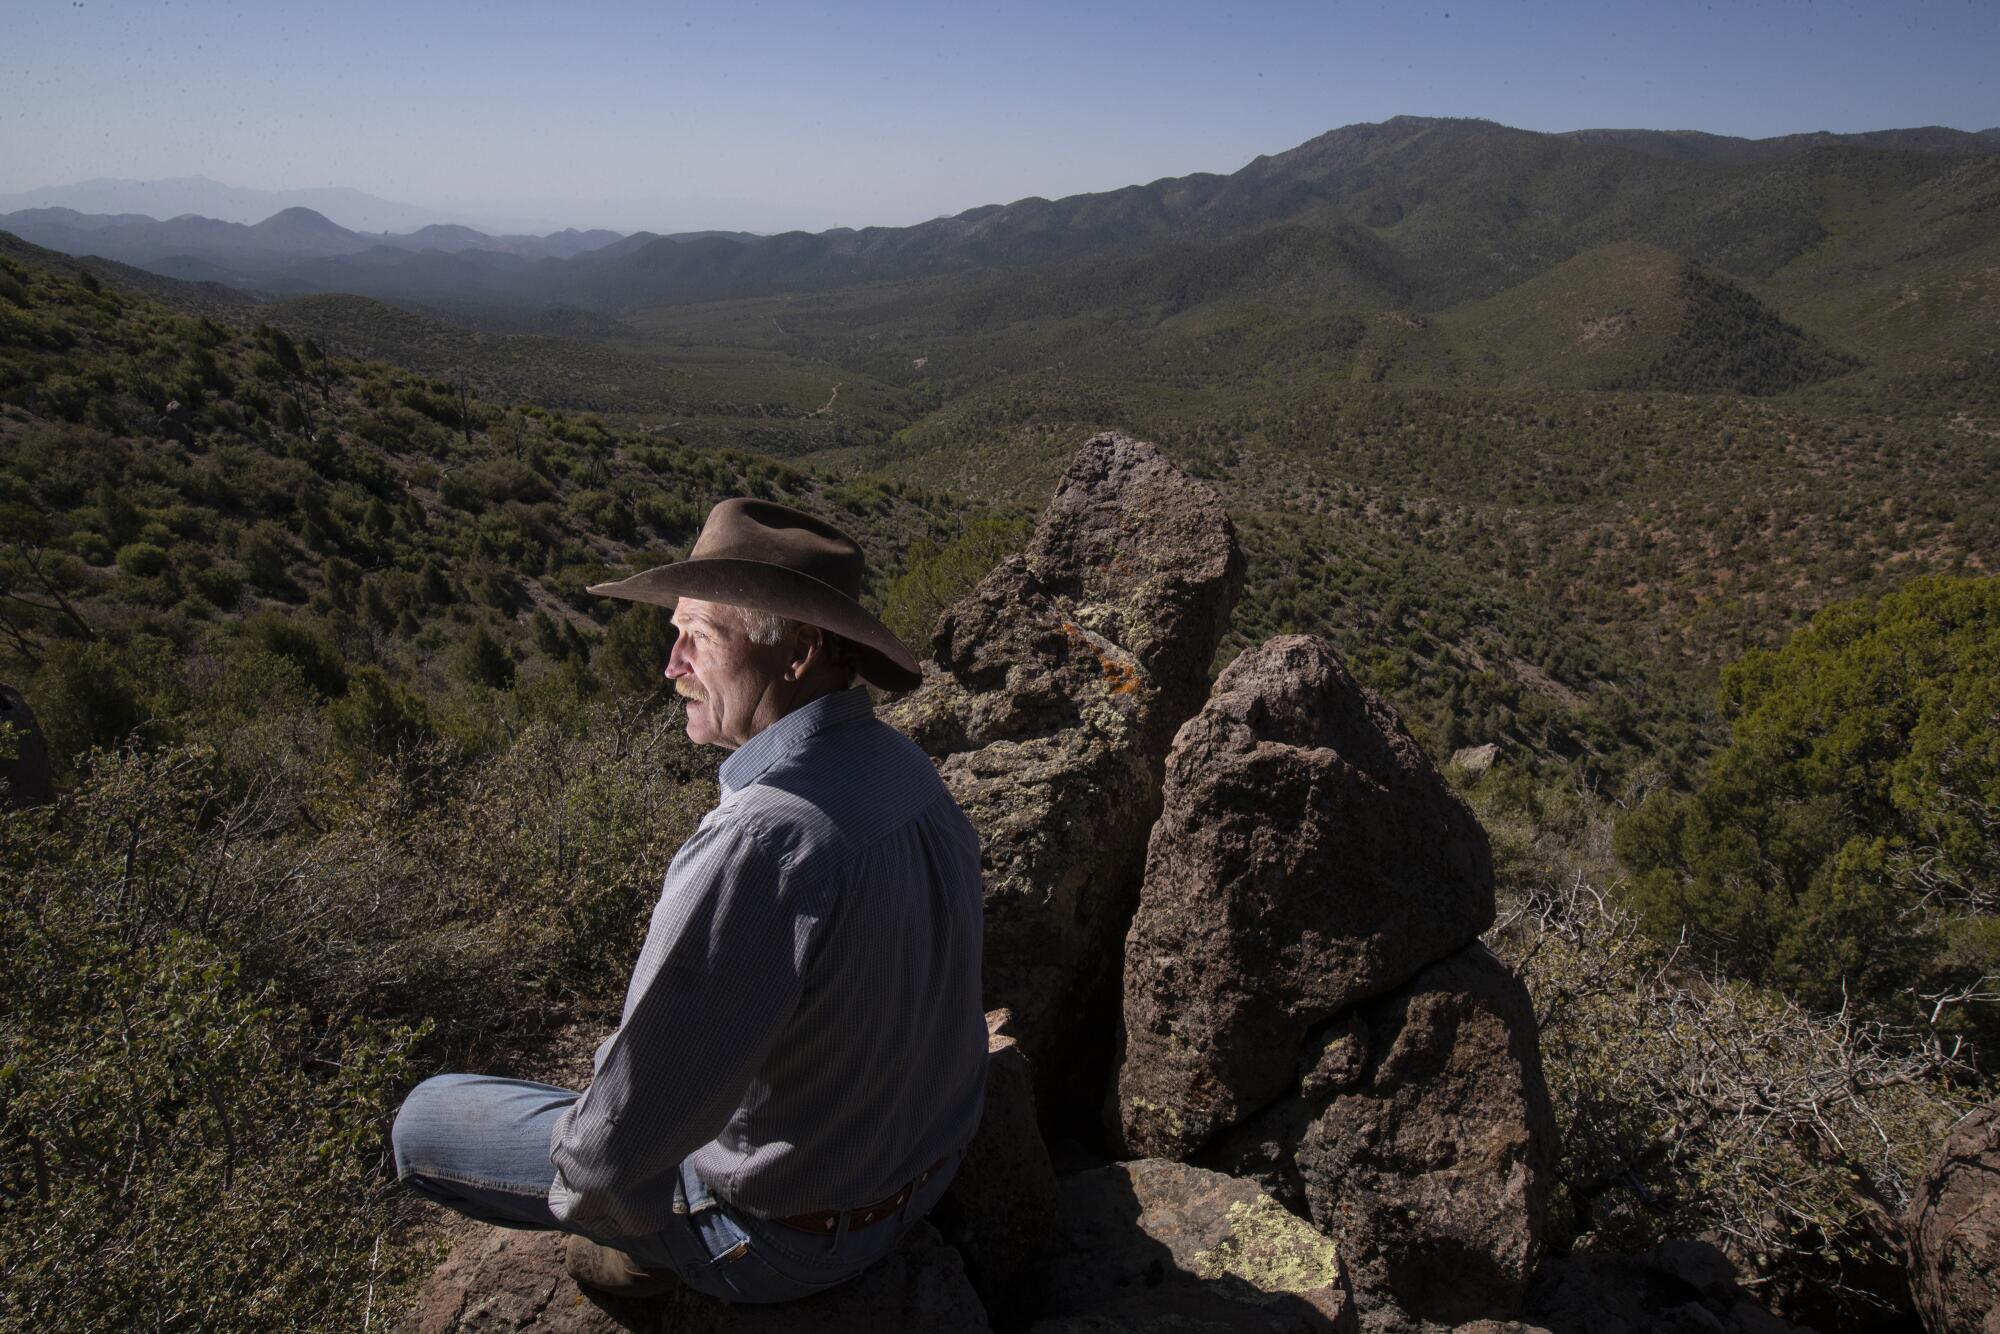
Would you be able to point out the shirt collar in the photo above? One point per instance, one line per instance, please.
(751, 760)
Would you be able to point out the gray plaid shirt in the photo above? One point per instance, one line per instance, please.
(804, 1020)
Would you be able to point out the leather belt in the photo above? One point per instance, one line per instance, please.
(826, 1220)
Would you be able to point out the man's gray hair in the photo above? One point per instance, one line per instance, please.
(766, 628)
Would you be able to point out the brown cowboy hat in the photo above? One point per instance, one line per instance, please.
(752, 553)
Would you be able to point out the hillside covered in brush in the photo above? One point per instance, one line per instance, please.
(354, 772)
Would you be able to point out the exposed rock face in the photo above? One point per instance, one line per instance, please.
(1308, 857)
(25, 777)
(1157, 1245)
(1424, 1145)
(1954, 1231)
(1055, 691)
(1002, 1206)
(502, 1282)
(1476, 760)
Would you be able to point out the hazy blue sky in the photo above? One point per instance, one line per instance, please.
(772, 115)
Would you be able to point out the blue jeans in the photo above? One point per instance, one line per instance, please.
(480, 1145)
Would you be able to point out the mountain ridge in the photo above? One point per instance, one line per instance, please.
(174, 196)
(1472, 204)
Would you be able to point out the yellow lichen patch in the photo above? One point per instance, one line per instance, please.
(1271, 1250)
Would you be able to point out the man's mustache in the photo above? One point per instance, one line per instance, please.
(686, 691)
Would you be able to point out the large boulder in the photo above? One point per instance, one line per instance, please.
(1053, 696)
(506, 1282)
(1001, 1208)
(1308, 857)
(1954, 1231)
(1421, 1138)
(1159, 1245)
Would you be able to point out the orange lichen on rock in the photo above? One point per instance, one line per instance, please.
(1122, 677)
(1118, 675)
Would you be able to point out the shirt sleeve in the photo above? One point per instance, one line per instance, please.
(717, 980)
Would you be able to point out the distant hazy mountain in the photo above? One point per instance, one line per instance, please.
(1413, 213)
(452, 238)
(225, 203)
(256, 254)
(71, 219)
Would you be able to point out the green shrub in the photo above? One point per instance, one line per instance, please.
(221, 583)
(1843, 845)
(302, 643)
(206, 1152)
(263, 551)
(484, 660)
(84, 696)
(377, 719)
(143, 559)
(633, 655)
(90, 546)
(933, 578)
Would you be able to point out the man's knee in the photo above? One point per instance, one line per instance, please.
(422, 1122)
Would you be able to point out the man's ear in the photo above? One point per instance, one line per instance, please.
(809, 650)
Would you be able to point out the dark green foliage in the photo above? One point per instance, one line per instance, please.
(432, 585)
(633, 655)
(484, 660)
(303, 644)
(271, 483)
(117, 518)
(548, 636)
(934, 577)
(376, 720)
(1730, 342)
(86, 696)
(143, 560)
(1843, 845)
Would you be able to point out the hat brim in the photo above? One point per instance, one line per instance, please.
(782, 591)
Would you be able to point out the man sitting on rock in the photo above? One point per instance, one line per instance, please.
(802, 1053)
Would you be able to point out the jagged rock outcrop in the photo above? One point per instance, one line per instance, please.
(1954, 1231)
(1308, 857)
(506, 1282)
(1305, 999)
(25, 776)
(1157, 1246)
(1422, 1137)
(1001, 1208)
(1054, 693)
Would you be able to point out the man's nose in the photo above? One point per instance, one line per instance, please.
(676, 661)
